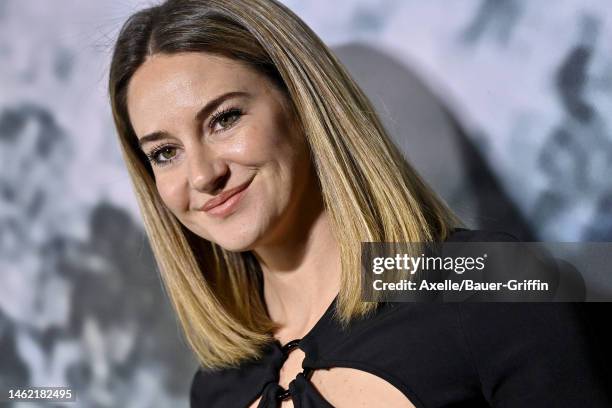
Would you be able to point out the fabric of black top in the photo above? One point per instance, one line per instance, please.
(437, 354)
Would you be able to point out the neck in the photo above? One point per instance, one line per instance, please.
(301, 275)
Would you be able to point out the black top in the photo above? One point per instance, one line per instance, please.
(437, 354)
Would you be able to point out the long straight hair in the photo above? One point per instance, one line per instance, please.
(370, 191)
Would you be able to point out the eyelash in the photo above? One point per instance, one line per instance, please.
(225, 112)
(152, 156)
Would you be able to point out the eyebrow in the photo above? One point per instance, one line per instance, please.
(204, 112)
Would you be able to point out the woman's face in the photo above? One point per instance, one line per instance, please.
(212, 126)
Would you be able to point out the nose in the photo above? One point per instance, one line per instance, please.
(206, 171)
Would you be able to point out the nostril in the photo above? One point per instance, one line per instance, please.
(212, 182)
(220, 182)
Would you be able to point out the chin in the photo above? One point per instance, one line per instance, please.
(238, 242)
(235, 246)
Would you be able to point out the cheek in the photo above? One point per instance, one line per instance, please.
(271, 154)
(170, 193)
(266, 136)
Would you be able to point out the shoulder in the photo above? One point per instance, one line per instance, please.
(541, 347)
(218, 388)
(518, 345)
(526, 260)
(208, 388)
(233, 386)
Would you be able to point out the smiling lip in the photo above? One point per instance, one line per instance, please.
(225, 201)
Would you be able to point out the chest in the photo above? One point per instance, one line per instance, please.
(341, 386)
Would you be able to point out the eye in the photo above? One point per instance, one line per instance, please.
(162, 155)
(225, 119)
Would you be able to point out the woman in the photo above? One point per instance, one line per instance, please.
(260, 167)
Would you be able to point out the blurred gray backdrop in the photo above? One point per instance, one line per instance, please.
(504, 106)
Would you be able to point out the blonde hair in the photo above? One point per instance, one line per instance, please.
(377, 196)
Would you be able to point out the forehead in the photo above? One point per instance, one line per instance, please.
(174, 81)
